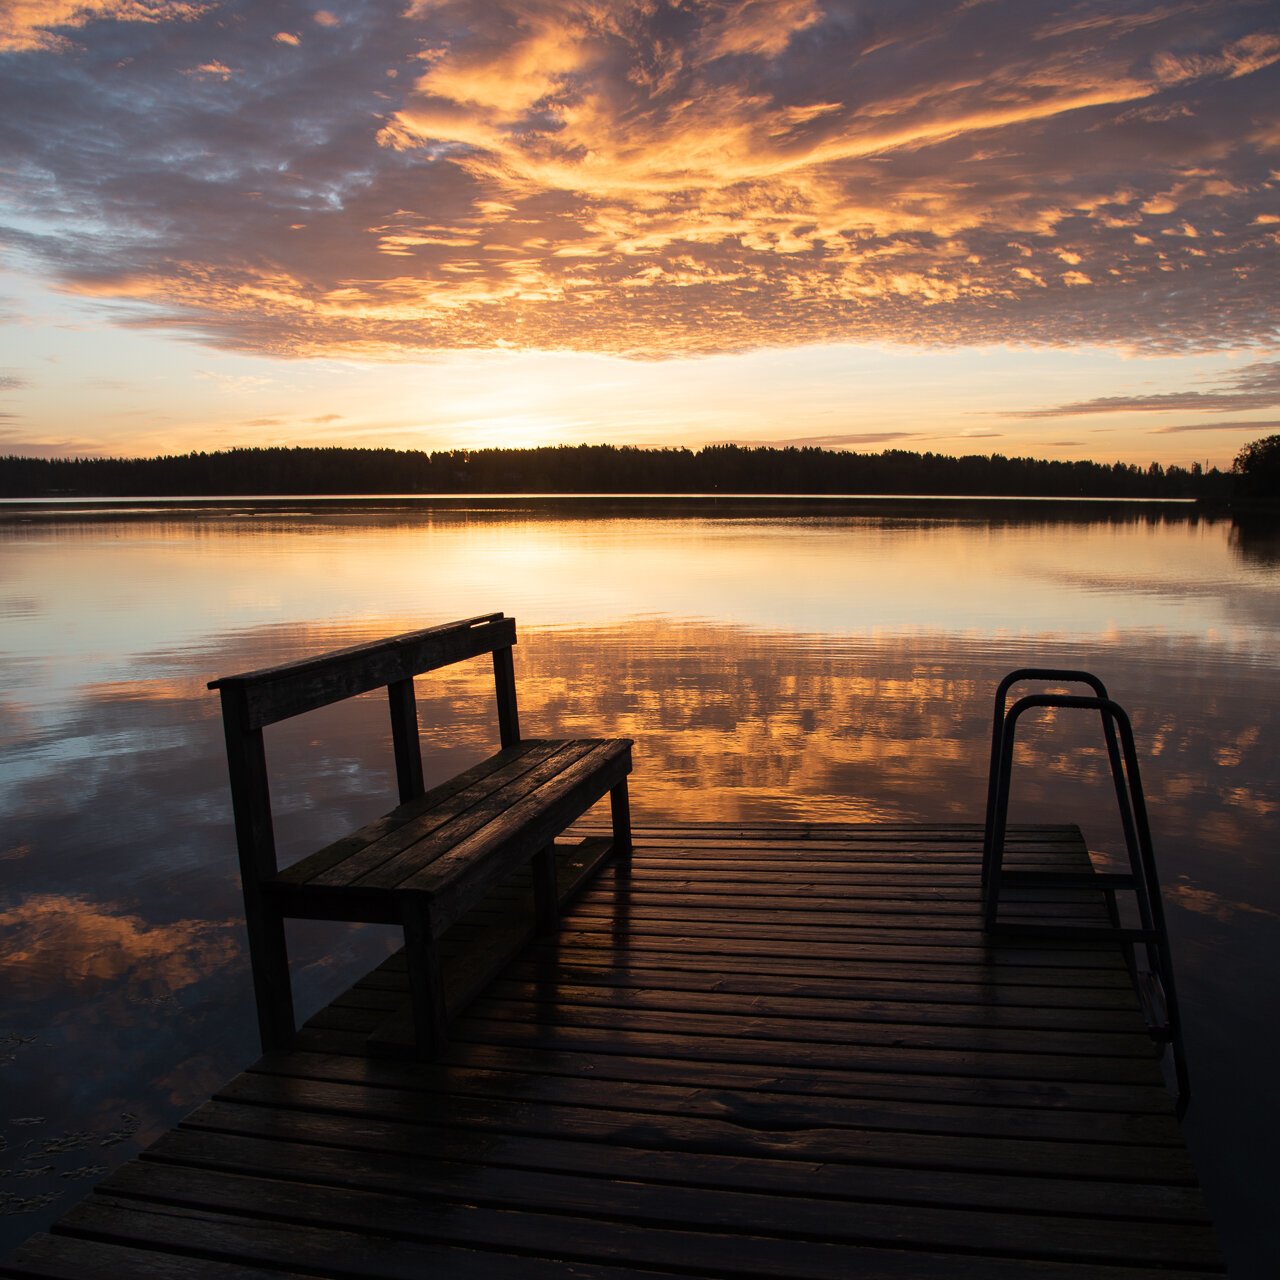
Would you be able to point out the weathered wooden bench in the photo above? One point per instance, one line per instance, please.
(440, 852)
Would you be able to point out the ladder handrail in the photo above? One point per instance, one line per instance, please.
(1053, 675)
(1134, 820)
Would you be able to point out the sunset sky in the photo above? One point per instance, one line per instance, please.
(1045, 228)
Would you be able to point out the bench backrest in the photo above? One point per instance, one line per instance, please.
(277, 693)
(254, 699)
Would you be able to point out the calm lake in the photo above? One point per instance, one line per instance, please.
(773, 660)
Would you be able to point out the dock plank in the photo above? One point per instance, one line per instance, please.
(751, 1051)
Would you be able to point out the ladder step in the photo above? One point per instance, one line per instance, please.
(1076, 933)
(1067, 880)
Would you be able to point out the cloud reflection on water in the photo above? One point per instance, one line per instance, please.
(808, 670)
(1195, 897)
(64, 946)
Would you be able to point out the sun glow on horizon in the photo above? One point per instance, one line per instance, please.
(531, 221)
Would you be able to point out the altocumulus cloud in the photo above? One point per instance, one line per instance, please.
(650, 178)
(1256, 386)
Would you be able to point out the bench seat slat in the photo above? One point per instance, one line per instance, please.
(343, 861)
(437, 840)
(314, 864)
(383, 864)
(466, 873)
(452, 877)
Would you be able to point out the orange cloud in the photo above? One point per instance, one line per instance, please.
(211, 70)
(37, 24)
(704, 177)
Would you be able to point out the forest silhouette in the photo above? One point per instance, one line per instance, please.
(599, 468)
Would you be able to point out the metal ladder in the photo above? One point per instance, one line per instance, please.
(1153, 984)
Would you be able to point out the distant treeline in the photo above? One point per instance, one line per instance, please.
(598, 468)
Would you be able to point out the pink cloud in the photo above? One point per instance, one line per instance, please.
(657, 183)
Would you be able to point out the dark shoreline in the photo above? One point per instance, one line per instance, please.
(600, 469)
(613, 505)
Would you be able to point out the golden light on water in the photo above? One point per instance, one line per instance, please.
(813, 669)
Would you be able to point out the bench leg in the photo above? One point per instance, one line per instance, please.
(269, 960)
(546, 892)
(426, 983)
(620, 809)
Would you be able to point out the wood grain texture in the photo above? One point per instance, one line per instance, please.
(752, 1072)
(277, 693)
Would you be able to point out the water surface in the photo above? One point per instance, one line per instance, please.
(774, 661)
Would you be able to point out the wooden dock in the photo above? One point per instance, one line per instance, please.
(751, 1052)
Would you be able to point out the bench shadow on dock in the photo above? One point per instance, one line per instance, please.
(749, 1051)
